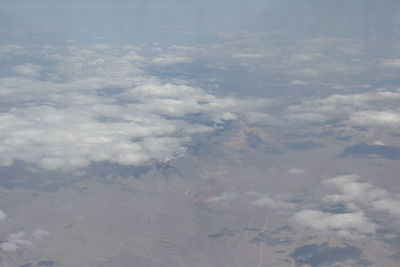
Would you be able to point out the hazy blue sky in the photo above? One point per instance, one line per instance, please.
(141, 20)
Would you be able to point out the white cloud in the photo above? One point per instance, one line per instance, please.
(395, 63)
(39, 234)
(9, 50)
(343, 103)
(8, 247)
(357, 196)
(177, 54)
(3, 216)
(390, 205)
(373, 118)
(261, 201)
(355, 108)
(307, 117)
(225, 196)
(298, 83)
(170, 59)
(297, 171)
(97, 104)
(305, 72)
(305, 57)
(247, 55)
(352, 190)
(21, 240)
(28, 69)
(15, 241)
(350, 225)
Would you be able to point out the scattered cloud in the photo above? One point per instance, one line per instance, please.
(261, 200)
(297, 171)
(97, 104)
(22, 240)
(28, 69)
(39, 234)
(305, 72)
(354, 109)
(374, 118)
(177, 54)
(343, 103)
(15, 241)
(3, 216)
(395, 63)
(307, 117)
(358, 197)
(11, 49)
(225, 196)
(353, 190)
(247, 55)
(350, 225)
(298, 83)
(170, 59)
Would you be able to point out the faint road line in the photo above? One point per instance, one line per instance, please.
(261, 256)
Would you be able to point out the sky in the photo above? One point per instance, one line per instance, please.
(127, 21)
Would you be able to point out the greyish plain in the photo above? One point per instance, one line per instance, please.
(199, 133)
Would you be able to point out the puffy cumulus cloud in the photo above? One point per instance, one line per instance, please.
(353, 190)
(96, 104)
(28, 69)
(389, 205)
(3, 216)
(350, 225)
(353, 108)
(55, 138)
